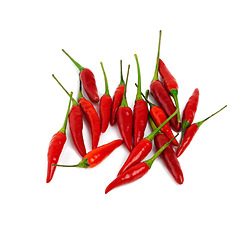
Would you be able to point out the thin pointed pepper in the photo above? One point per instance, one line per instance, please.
(90, 114)
(117, 98)
(169, 83)
(159, 117)
(135, 172)
(124, 117)
(143, 148)
(92, 118)
(190, 110)
(88, 80)
(168, 155)
(190, 132)
(96, 156)
(140, 113)
(162, 96)
(105, 105)
(56, 146)
(75, 124)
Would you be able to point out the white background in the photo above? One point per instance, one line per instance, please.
(205, 44)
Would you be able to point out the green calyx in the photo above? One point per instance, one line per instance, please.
(63, 129)
(83, 164)
(174, 93)
(151, 136)
(124, 102)
(106, 81)
(150, 161)
(76, 63)
(138, 94)
(74, 102)
(157, 59)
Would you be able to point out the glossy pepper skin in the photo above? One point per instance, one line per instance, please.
(170, 83)
(142, 149)
(92, 118)
(190, 110)
(117, 99)
(139, 152)
(124, 117)
(140, 112)
(75, 123)
(56, 146)
(88, 80)
(159, 117)
(105, 105)
(96, 156)
(135, 172)
(168, 155)
(190, 133)
(162, 96)
(76, 126)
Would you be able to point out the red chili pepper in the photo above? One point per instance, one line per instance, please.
(56, 146)
(170, 83)
(190, 132)
(159, 117)
(75, 124)
(140, 112)
(143, 148)
(92, 118)
(168, 155)
(190, 110)
(105, 105)
(124, 117)
(96, 156)
(117, 99)
(161, 95)
(90, 114)
(135, 172)
(88, 80)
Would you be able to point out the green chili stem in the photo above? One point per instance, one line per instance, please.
(174, 93)
(63, 129)
(124, 102)
(150, 161)
(138, 94)
(199, 123)
(106, 81)
(157, 59)
(146, 98)
(73, 100)
(150, 137)
(76, 63)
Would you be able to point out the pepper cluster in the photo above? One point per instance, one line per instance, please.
(164, 118)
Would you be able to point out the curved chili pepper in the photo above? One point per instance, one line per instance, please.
(117, 99)
(75, 124)
(161, 95)
(96, 156)
(56, 146)
(169, 83)
(135, 172)
(190, 110)
(92, 118)
(140, 112)
(105, 105)
(124, 117)
(190, 132)
(168, 155)
(88, 80)
(143, 148)
(159, 117)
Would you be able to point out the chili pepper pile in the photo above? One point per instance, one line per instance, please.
(164, 117)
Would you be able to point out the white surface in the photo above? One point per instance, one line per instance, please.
(204, 44)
